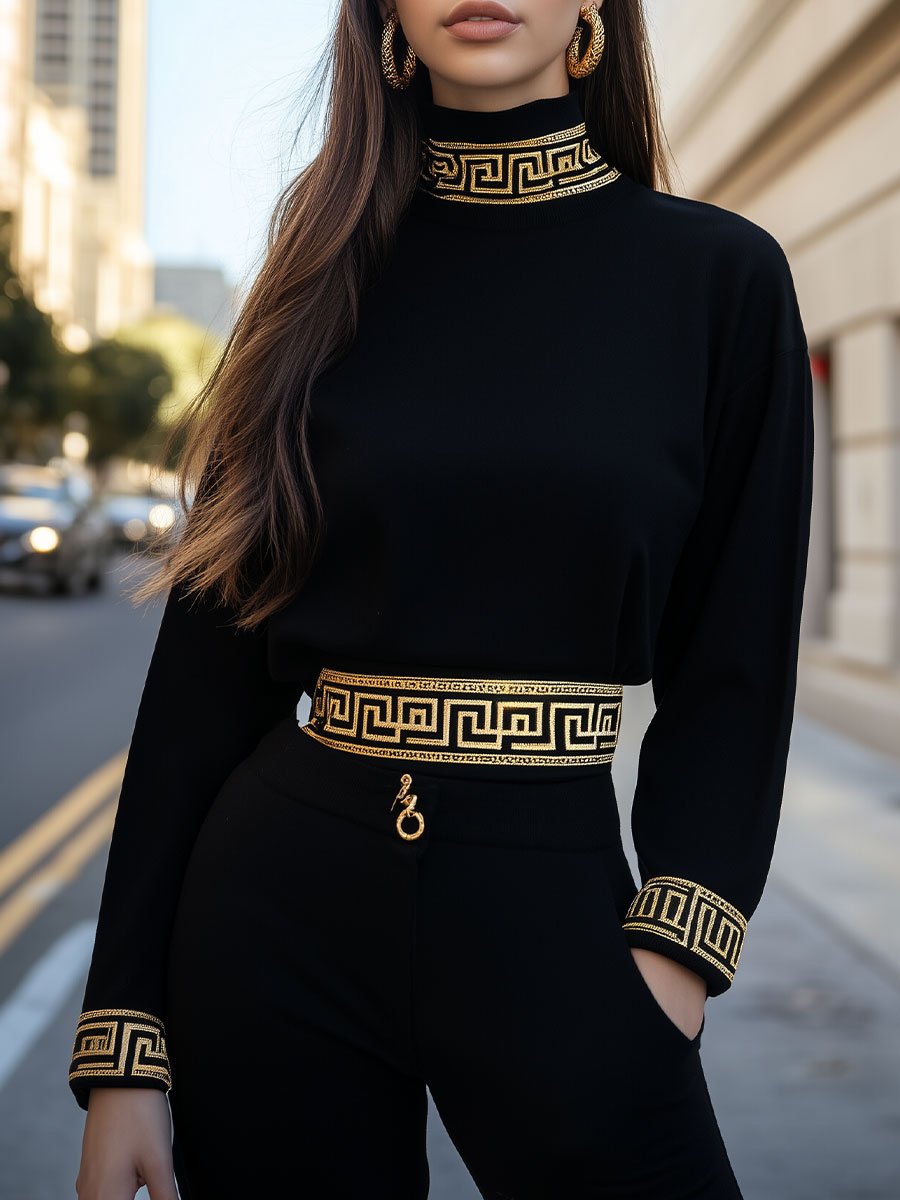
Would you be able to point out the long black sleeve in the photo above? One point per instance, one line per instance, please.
(713, 759)
(207, 699)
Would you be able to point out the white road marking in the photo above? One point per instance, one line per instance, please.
(36, 1002)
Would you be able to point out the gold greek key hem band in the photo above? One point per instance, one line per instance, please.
(121, 1042)
(460, 719)
(556, 164)
(691, 915)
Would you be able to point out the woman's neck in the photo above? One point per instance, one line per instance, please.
(534, 156)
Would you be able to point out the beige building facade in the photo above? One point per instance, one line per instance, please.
(92, 53)
(49, 219)
(72, 142)
(14, 80)
(788, 111)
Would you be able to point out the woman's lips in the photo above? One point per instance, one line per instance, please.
(481, 31)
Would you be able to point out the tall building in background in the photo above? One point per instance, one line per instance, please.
(76, 61)
(199, 292)
(14, 78)
(788, 112)
(89, 57)
(49, 257)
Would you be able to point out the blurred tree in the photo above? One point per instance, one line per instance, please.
(190, 351)
(119, 387)
(32, 393)
(131, 387)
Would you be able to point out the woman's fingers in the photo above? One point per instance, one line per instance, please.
(127, 1145)
(159, 1177)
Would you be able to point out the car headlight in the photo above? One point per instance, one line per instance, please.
(134, 529)
(42, 539)
(161, 516)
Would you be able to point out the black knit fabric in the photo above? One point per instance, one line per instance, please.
(572, 440)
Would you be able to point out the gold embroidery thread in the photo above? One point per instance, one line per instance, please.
(515, 172)
(461, 719)
(121, 1042)
(691, 915)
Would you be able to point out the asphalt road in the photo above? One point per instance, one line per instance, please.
(73, 669)
(802, 1055)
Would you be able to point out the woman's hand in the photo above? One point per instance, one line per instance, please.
(127, 1143)
(679, 991)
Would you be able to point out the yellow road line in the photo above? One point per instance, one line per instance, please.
(39, 889)
(21, 854)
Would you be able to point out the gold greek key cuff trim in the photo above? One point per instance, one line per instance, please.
(516, 172)
(460, 719)
(692, 916)
(121, 1042)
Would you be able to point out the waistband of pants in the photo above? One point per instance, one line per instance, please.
(572, 808)
(462, 719)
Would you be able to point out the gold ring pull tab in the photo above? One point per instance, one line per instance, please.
(409, 810)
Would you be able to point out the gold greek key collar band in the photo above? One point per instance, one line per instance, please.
(529, 154)
(521, 172)
(520, 722)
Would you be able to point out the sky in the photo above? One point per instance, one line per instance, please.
(224, 83)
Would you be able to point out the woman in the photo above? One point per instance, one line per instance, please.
(501, 428)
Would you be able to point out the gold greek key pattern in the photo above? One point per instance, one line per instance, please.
(122, 1042)
(458, 719)
(691, 915)
(521, 172)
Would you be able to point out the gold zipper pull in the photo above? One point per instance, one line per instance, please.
(405, 783)
(409, 801)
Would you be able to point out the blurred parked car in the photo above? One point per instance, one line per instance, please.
(140, 514)
(52, 528)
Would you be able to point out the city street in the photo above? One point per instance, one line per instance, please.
(802, 1054)
(551, 333)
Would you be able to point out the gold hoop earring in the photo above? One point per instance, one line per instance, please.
(388, 65)
(579, 67)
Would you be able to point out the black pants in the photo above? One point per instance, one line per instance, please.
(323, 971)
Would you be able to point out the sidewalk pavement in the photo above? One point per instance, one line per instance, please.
(837, 853)
(802, 1053)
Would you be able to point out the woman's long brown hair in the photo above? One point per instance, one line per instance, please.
(257, 515)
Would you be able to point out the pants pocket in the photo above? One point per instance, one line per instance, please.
(622, 888)
(651, 1003)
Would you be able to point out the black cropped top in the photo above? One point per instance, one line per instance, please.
(572, 440)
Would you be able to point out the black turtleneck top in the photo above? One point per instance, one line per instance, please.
(572, 440)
